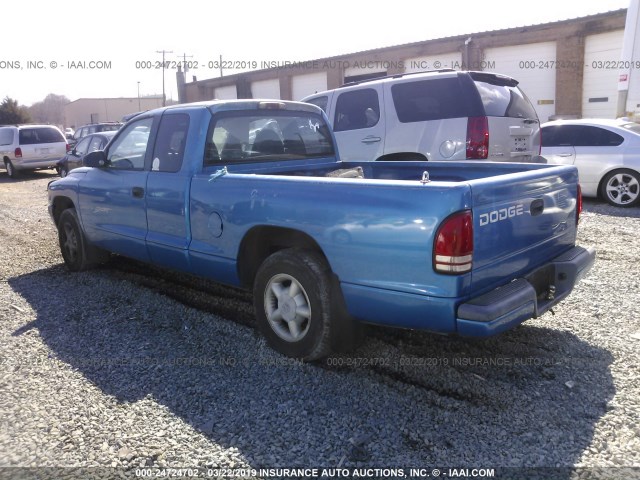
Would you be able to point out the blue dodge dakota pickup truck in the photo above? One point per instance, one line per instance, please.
(253, 194)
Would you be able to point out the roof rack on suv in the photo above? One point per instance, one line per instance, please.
(396, 75)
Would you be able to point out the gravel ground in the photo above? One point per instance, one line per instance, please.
(127, 366)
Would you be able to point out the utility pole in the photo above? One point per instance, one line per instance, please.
(139, 96)
(184, 57)
(163, 52)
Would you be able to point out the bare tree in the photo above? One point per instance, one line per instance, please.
(50, 110)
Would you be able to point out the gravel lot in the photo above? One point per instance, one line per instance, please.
(127, 366)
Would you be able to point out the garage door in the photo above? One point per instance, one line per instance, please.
(599, 83)
(226, 93)
(533, 65)
(303, 85)
(433, 62)
(266, 88)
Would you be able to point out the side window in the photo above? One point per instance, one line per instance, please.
(420, 101)
(82, 148)
(129, 149)
(588, 136)
(97, 143)
(91, 129)
(357, 109)
(320, 102)
(171, 142)
(558, 136)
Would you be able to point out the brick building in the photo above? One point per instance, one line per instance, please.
(564, 67)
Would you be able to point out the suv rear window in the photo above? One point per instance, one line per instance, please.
(502, 99)
(429, 100)
(31, 136)
(6, 136)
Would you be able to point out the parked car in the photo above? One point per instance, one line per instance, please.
(606, 153)
(90, 143)
(68, 132)
(85, 130)
(253, 194)
(31, 147)
(439, 115)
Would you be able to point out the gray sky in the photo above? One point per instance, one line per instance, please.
(127, 34)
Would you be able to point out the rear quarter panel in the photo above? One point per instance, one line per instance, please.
(375, 233)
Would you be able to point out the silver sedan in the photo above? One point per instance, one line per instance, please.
(606, 153)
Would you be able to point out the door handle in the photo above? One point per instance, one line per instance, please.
(137, 192)
(537, 207)
(371, 139)
(565, 154)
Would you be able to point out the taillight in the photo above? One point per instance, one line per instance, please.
(453, 246)
(68, 148)
(18, 152)
(579, 204)
(540, 146)
(477, 137)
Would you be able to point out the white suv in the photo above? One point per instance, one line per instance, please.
(31, 147)
(439, 115)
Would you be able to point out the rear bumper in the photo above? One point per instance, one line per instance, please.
(507, 306)
(36, 164)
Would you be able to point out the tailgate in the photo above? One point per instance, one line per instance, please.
(43, 151)
(513, 139)
(521, 221)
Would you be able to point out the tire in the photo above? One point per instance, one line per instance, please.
(77, 252)
(62, 171)
(621, 188)
(293, 303)
(11, 170)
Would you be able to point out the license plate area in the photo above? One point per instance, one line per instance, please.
(541, 280)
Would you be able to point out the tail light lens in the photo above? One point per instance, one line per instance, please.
(68, 148)
(579, 204)
(18, 152)
(477, 138)
(453, 246)
(540, 146)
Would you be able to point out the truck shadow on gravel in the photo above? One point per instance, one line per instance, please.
(530, 397)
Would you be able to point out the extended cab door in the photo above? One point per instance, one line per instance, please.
(168, 232)
(113, 198)
(358, 124)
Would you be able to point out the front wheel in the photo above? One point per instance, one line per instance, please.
(63, 171)
(77, 252)
(292, 299)
(621, 188)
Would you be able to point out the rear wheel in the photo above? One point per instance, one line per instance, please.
(77, 252)
(621, 188)
(63, 171)
(292, 299)
(11, 170)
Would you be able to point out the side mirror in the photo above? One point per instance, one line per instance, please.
(97, 159)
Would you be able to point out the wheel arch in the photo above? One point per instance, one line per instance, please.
(262, 241)
(59, 205)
